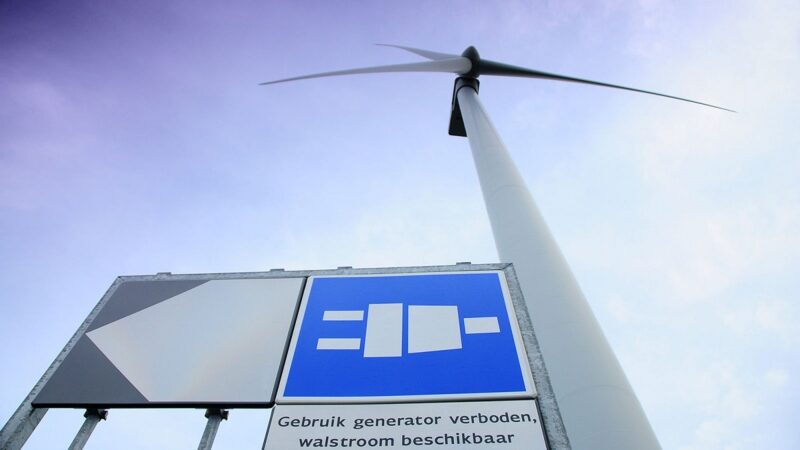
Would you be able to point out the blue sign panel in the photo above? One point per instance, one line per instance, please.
(406, 337)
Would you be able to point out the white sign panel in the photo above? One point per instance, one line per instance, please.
(180, 342)
(508, 424)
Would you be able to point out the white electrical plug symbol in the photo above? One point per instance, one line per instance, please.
(430, 329)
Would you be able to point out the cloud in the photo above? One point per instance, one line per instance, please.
(777, 378)
(414, 227)
(682, 224)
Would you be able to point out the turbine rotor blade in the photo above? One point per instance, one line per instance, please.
(487, 67)
(435, 56)
(457, 65)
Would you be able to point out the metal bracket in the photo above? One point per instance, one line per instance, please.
(93, 417)
(223, 413)
(456, 121)
(102, 414)
(214, 416)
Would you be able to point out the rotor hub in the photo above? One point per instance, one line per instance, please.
(471, 53)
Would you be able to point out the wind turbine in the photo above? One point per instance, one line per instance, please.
(597, 404)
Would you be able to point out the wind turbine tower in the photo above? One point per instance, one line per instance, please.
(598, 406)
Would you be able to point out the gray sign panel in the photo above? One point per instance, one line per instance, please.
(507, 424)
(180, 342)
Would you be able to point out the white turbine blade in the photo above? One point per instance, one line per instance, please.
(459, 65)
(436, 56)
(486, 67)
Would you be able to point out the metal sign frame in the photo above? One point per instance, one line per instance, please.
(25, 419)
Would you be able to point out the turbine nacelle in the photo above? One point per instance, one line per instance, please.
(456, 127)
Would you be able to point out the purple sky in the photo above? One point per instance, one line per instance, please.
(134, 139)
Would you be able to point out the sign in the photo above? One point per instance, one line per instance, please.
(391, 357)
(510, 424)
(406, 337)
(180, 342)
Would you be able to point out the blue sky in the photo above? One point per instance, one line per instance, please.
(134, 139)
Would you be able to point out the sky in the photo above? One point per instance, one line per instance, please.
(134, 139)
